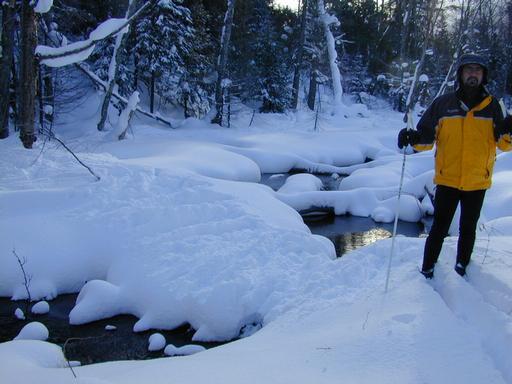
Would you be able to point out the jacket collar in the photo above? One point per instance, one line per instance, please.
(482, 99)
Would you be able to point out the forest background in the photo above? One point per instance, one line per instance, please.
(208, 57)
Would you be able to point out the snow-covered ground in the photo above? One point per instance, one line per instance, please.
(177, 231)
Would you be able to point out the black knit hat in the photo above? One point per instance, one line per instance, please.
(471, 58)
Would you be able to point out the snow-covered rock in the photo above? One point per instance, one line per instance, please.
(33, 331)
(156, 342)
(186, 350)
(19, 314)
(40, 308)
(302, 182)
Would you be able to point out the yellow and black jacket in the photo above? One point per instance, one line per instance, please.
(465, 140)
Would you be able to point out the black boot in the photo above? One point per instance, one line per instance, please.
(460, 269)
(428, 274)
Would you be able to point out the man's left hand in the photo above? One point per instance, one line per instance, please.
(504, 128)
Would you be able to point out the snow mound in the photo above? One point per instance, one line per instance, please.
(98, 299)
(41, 308)
(156, 342)
(302, 182)
(186, 350)
(18, 313)
(33, 331)
(32, 353)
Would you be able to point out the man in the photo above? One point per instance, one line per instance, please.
(466, 126)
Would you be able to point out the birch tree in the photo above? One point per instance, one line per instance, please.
(121, 39)
(299, 56)
(223, 60)
(429, 21)
(327, 20)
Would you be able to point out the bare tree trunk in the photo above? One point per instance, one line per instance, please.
(133, 32)
(28, 74)
(152, 93)
(463, 24)
(300, 56)
(429, 22)
(407, 20)
(121, 39)
(8, 19)
(14, 94)
(223, 60)
(508, 50)
(312, 89)
(46, 74)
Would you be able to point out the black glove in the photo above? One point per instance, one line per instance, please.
(503, 128)
(408, 137)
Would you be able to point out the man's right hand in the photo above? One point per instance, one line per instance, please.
(503, 128)
(408, 137)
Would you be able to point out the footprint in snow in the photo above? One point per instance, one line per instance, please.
(405, 318)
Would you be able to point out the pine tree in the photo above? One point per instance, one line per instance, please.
(164, 39)
(196, 86)
(222, 62)
(261, 57)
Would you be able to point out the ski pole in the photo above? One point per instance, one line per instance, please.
(397, 210)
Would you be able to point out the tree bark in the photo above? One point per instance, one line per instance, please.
(28, 74)
(8, 20)
(312, 89)
(300, 56)
(223, 60)
(152, 93)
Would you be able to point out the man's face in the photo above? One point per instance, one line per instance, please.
(472, 75)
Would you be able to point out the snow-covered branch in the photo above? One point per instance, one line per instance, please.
(123, 100)
(43, 6)
(326, 20)
(81, 50)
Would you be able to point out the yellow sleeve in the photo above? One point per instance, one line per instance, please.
(423, 147)
(505, 143)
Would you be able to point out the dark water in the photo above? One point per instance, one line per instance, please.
(351, 232)
(346, 232)
(90, 343)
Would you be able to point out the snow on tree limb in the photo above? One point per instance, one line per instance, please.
(81, 50)
(103, 84)
(126, 114)
(327, 20)
(43, 6)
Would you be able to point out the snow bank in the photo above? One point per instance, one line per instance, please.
(167, 235)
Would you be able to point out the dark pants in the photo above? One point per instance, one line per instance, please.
(445, 204)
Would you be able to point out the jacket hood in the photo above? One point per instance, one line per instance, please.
(471, 58)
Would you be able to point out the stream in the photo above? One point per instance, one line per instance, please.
(93, 343)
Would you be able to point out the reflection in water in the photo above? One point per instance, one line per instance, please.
(347, 242)
(351, 232)
(346, 232)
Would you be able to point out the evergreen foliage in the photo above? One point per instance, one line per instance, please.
(172, 51)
